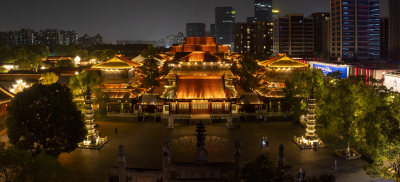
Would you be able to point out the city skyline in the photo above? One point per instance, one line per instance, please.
(124, 20)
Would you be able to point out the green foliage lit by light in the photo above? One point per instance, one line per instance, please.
(43, 118)
(150, 67)
(48, 78)
(353, 114)
(245, 69)
(20, 166)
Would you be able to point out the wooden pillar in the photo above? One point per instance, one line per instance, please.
(279, 106)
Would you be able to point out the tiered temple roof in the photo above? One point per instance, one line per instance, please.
(282, 61)
(206, 44)
(200, 56)
(276, 71)
(118, 62)
(200, 88)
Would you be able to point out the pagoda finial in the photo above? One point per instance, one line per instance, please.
(200, 134)
(201, 151)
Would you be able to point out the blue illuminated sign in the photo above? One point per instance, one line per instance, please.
(329, 69)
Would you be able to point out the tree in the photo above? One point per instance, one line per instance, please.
(44, 118)
(322, 178)
(262, 170)
(107, 54)
(79, 84)
(48, 78)
(6, 55)
(150, 67)
(20, 166)
(65, 63)
(382, 137)
(298, 90)
(102, 55)
(350, 101)
(246, 69)
(29, 57)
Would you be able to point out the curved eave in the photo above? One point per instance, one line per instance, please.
(113, 65)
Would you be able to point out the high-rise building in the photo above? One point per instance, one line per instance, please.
(253, 38)
(394, 29)
(87, 40)
(294, 35)
(355, 29)
(251, 19)
(320, 34)
(263, 10)
(195, 30)
(180, 38)
(174, 39)
(212, 30)
(384, 37)
(244, 38)
(275, 13)
(224, 24)
(68, 37)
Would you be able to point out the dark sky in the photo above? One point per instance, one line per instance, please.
(134, 19)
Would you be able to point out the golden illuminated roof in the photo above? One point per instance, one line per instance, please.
(118, 62)
(282, 61)
(200, 56)
(207, 44)
(200, 88)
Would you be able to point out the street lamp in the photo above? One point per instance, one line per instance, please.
(19, 86)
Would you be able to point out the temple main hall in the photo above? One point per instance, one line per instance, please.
(200, 83)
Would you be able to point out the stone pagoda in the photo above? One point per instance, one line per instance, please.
(310, 140)
(93, 139)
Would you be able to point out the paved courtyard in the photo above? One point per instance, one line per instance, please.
(143, 145)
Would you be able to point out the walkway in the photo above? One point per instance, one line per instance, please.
(143, 146)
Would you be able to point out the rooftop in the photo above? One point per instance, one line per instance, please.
(118, 62)
(282, 61)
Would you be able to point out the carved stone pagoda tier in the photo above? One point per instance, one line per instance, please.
(310, 140)
(93, 139)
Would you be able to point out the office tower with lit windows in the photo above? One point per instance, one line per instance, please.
(384, 37)
(195, 30)
(394, 29)
(294, 35)
(253, 38)
(355, 30)
(321, 34)
(224, 24)
(263, 10)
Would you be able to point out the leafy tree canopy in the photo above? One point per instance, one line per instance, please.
(20, 166)
(65, 63)
(80, 82)
(48, 78)
(263, 170)
(43, 118)
(150, 67)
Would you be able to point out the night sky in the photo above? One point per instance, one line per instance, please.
(134, 19)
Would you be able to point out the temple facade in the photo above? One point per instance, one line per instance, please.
(274, 73)
(120, 80)
(200, 84)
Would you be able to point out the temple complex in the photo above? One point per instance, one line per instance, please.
(199, 86)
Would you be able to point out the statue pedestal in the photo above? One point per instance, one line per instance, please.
(171, 122)
(229, 123)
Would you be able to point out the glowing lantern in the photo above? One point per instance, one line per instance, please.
(77, 60)
(19, 86)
